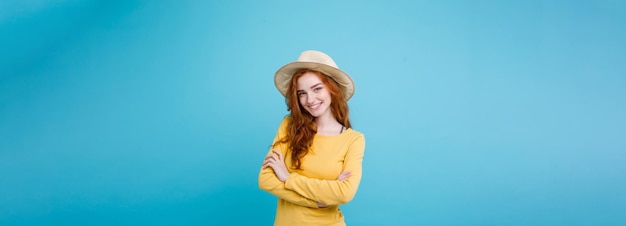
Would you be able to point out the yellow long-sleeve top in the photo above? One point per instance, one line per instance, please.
(316, 181)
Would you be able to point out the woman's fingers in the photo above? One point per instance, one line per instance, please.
(269, 160)
(273, 160)
(278, 153)
(271, 156)
(266, 163)
(275, 155)
(344, 175)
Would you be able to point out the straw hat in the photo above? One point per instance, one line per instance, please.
(314, 60)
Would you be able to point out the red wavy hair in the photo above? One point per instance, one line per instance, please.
(301, 128)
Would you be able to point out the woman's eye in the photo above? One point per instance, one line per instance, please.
(318, 89)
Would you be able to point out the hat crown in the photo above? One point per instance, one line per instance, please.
(317, 61)
(316, 57)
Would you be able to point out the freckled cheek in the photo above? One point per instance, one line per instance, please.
(327, 98)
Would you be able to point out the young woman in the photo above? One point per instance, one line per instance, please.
(314, 164)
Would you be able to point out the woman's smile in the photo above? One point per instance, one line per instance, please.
(315, 106)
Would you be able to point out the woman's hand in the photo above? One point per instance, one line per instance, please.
(276, 161)
(343, 176)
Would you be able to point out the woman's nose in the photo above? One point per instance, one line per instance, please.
(310, 98)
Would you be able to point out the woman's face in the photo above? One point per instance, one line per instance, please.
(313, 94)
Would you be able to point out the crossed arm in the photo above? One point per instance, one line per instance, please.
(274, 162)
(269, 182)
(311, 192)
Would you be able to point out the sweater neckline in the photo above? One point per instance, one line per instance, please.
(345, 131)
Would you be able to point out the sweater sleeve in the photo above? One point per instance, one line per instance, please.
(332, 192)
(268, 181)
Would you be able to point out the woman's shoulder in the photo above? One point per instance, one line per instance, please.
(285, 121)
(282, 128)
(354, 138)
(355, 134)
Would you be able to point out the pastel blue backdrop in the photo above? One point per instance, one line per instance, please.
(160, 112)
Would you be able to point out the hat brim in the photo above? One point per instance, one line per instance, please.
(282, 78)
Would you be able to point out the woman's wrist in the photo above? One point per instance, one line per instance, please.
(284, 177)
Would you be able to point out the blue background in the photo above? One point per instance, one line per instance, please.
(160, 112)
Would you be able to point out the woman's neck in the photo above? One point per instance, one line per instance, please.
(327, 124)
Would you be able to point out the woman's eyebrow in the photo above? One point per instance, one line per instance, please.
(318, 84)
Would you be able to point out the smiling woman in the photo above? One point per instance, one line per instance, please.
(120, 112)
(315, 164)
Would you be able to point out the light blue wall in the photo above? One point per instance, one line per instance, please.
(159, 113)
